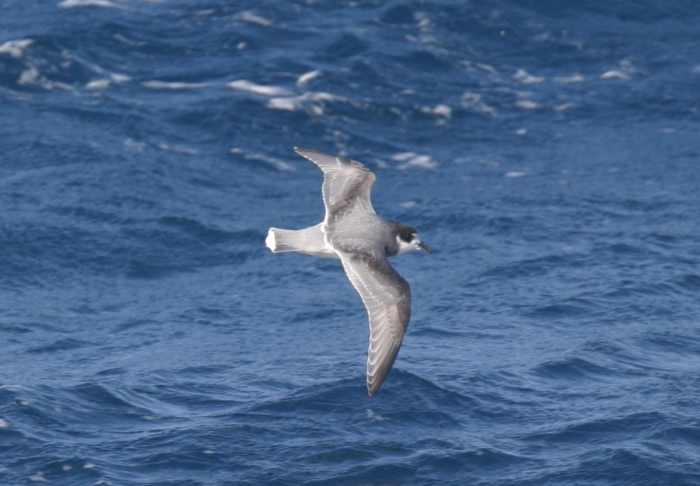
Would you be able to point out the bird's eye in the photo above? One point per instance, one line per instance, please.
(407, 237)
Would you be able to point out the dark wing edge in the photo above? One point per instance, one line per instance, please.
(346, 183)
(387, 298)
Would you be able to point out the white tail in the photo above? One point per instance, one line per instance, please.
(308, 240)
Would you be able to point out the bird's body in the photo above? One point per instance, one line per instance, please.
(352, 232)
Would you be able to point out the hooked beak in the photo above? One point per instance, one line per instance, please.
(424, 247)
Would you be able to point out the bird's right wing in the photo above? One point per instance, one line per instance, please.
(346, 183)
(387, 297)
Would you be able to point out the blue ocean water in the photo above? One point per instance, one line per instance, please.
(549, 153)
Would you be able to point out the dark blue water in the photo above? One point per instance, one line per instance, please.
(549, 153)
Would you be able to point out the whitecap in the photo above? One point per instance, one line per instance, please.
(243, 85)
(98, 84)
(119, 78)
(103, 83)
(15, 48)
(614, 74)
(182, 150)
(514, 174)
(563, 106)
(312, 101)
(624, 73)
(128, 42)
(173, 85)
(411, 159)
(525, 78)
(575, 78)
(305, 78)
(439, 110)
(89, 3)
(474, 102)
(253, 19)
(526, 104)
(28, 76)
(485, 67)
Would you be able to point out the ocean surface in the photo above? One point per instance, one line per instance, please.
(548, 152)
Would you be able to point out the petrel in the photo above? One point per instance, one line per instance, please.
(352, 232)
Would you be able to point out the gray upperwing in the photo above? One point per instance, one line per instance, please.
(346, 183)
(387, 297)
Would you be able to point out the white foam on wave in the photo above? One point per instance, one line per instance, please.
(311, 101)
(3, 424)
(32, 76)
(527, 104)
(243, 85)
(626, 71)
(104, 78)
(614, 74)
(440, 110)
(411, 159)
(173, 85)
(485, 67)
(564, 106)
(305, 78)
(15, 48)
(252, 18)
(89, 3)
(514, 174)
(474, 102)
(106, 82)
(128, 42)
(575, 78)
(119, 78)
(182, 150)
(525, 78)
(29, 76)
(98, 84)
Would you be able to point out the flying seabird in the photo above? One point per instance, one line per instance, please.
(352, 232)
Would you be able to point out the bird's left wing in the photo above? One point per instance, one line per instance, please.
(346, 183)
(387, 297)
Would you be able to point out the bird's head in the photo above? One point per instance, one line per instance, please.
(408, 239)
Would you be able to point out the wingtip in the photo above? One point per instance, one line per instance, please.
(372, 388)
(271, 241)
